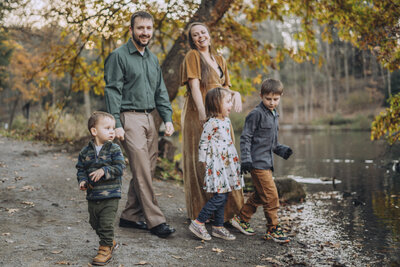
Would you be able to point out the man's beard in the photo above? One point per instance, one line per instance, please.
(138, 42)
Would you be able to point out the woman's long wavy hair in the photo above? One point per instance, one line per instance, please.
(205, 68)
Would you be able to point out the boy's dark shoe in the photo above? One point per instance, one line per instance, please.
(162, 230)
(246, 167)
(129, 224)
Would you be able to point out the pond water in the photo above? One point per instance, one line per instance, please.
(363, 206)
(356, 220)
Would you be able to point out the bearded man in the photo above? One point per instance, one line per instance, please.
(134, 89)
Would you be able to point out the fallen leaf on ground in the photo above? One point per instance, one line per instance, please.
(18, 178)
(158, 194)
(198, 247)
(180, 209)
(143, 263)
(9, 241)
(27, 188)
(218, 250)
(56, 251)
(10, 187)
(177, 257)
(12, 210)
(29, 203)
(5, 234)
(170, 196)
(272, 260)
(232, 258)
(63, 263)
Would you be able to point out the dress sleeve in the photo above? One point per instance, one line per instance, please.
(190, 67)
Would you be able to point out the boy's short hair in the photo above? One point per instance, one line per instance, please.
(271, 86)
(213, 101)
(95, 117)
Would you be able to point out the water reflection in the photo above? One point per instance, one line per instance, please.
(365, 209)
(370, 208)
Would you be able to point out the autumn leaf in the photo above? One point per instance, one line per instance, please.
(142, 263)
(177, 257)
(218, 250)
(11, 211)
(56, 251)
(199, 247)
(63, 263)
(28, 203)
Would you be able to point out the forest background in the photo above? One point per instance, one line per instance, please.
(338, 60)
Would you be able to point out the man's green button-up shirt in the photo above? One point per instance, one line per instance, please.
(134, 81)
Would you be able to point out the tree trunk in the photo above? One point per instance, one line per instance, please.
(296, 96)
(312, 96)
(328, 73)
(14, 108)
(364, 63)
(389, 83)
(346, 71)
(86, 98)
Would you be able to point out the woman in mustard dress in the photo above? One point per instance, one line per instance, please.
(201, 71)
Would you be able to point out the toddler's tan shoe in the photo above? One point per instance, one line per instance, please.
(104, 255)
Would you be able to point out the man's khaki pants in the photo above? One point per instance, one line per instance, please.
(141, 145)
(265, 195)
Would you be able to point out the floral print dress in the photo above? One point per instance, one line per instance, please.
(217, 150)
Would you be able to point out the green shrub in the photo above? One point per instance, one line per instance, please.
(237, 120)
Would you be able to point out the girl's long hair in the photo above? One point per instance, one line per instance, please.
(205, 68)
(214, 100)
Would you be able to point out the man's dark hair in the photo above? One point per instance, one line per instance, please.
(214, 100)
(271, 86)
(96, 116)
(140, 14)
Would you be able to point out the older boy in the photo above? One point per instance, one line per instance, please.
(100, 167)
(258, 141)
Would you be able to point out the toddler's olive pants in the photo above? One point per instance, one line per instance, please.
(102, 217)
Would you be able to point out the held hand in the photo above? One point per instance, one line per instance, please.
(202, 117)
(246, 167)
(169, 128)
(288, 153)
(83, 185)
(120, 133)
(96, 175)
(237, 102)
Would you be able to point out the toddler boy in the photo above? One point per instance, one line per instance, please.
(258, 141)
(100, 167)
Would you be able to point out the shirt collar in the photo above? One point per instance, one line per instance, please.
(132, 48)
(267, 110)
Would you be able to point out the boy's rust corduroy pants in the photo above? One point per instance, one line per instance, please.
(265, 195)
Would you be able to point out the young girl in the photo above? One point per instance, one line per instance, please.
(218, 154)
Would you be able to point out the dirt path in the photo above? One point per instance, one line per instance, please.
(44, 221)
